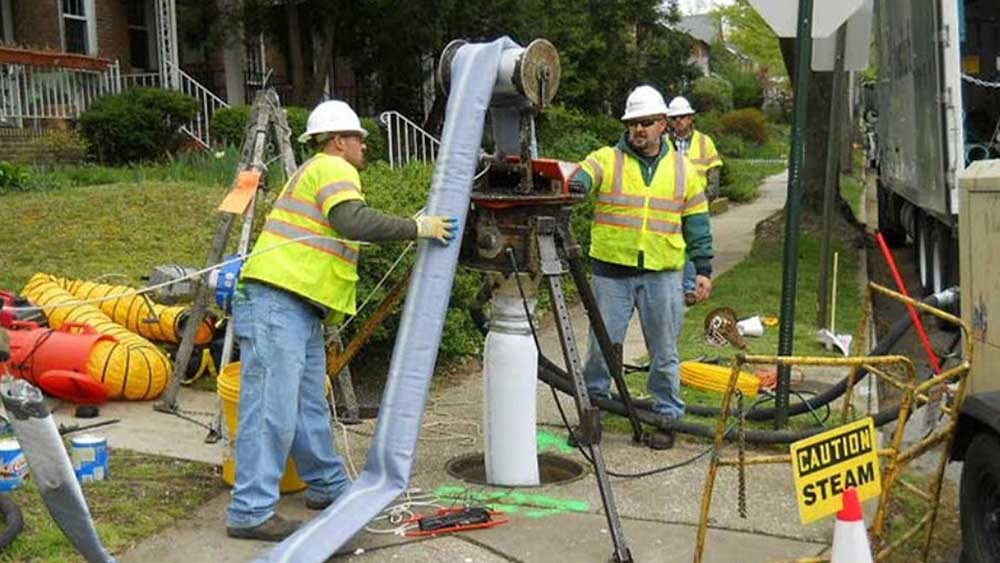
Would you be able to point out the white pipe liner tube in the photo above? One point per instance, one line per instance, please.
(510, 374)
(390, 455)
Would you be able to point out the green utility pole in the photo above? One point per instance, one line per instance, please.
(793, 207)
(834, 147)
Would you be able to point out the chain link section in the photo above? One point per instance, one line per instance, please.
(979, 82)
(741, 497)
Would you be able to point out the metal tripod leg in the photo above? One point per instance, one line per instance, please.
(612, 352)
(590, 416)
(342, 379)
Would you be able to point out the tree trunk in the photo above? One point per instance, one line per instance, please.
(297, 67)
(323, 66)
(817, 126)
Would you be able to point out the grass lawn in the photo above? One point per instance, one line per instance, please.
(142, 495)
(94, 231)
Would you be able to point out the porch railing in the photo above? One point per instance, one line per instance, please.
(30, 91)
(407, 141)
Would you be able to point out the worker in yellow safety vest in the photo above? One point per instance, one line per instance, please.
(650, 208)
(700, 150)
(302, 271)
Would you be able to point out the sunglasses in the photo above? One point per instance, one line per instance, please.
(642, 123)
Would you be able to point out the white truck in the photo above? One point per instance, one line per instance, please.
(938, 108)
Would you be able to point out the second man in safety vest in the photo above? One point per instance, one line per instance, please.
(650, 210)
(700, 150)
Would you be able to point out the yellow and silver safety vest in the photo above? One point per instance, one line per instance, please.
(318, 268)
(702, 153)
(631, 217)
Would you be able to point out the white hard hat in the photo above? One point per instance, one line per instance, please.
(644, 101)
(679, 106)
(332, 116)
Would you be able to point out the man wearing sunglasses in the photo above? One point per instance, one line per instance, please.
(700, 150)
(302, 272)
(650, 209)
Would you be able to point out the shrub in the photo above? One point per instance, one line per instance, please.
(747, 92)
(709, 124)
(229, 128)
(229, 125)
(730, 146)
(749, 124)
(559, 123)
(13, 177)
(137, 125)
(712, 93)
(60, 146)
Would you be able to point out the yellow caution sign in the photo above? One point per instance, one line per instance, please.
(827, 464)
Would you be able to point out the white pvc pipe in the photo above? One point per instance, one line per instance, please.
(510, 373)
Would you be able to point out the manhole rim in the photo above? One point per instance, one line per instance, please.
(480, 457)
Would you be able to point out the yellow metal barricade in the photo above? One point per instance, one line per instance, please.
(895, 458)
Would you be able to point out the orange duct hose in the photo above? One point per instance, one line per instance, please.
(132, 368)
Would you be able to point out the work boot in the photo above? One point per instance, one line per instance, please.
(275, 528)
(659, 439)
(690, 299)
(316, 504)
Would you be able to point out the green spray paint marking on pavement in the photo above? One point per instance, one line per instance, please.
(548, 441)
(512, 502)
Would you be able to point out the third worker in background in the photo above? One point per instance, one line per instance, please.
(700, 150)
(650, 213)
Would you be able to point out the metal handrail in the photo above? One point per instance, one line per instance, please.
(199, 128)
(407, 141)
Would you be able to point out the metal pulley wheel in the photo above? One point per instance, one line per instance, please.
(535, 72)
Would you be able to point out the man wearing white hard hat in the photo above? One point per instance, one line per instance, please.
(700, 150)
(650, 208)
(301, 273)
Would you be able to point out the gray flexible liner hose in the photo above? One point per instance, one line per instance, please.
(390, 455)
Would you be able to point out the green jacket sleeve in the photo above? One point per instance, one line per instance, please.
(697, 229)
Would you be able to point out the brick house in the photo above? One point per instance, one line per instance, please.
(58, 56)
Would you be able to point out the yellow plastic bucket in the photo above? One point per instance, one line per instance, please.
(228, 386)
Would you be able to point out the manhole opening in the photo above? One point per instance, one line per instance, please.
(552, 469)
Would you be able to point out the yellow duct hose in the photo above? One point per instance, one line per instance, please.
(156, 322)
(131, 368)
(711, 377)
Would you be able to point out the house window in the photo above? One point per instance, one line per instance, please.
(138, 35)
(79, 27)
(6, 22)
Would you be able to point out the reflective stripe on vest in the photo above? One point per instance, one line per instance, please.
(633, 217)
(319, 241)
(598, 171)
(703, 159)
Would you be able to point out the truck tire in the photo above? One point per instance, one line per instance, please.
(979, 502)
(888, 217)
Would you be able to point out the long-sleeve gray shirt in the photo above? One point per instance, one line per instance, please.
(355, 220)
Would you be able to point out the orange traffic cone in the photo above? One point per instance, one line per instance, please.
(850, 538)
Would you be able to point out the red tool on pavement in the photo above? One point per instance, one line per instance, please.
(449, 520)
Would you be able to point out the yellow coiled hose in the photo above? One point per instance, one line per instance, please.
(711, 377)
(156, 322)
(132, 368)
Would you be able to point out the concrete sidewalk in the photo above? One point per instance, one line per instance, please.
(550, 523)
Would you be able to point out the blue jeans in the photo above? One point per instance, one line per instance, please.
(282, 407)
(657, 296)
(689, 275)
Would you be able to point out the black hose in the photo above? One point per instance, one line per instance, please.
(886, 344)
(13, 521)
(556, 377)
